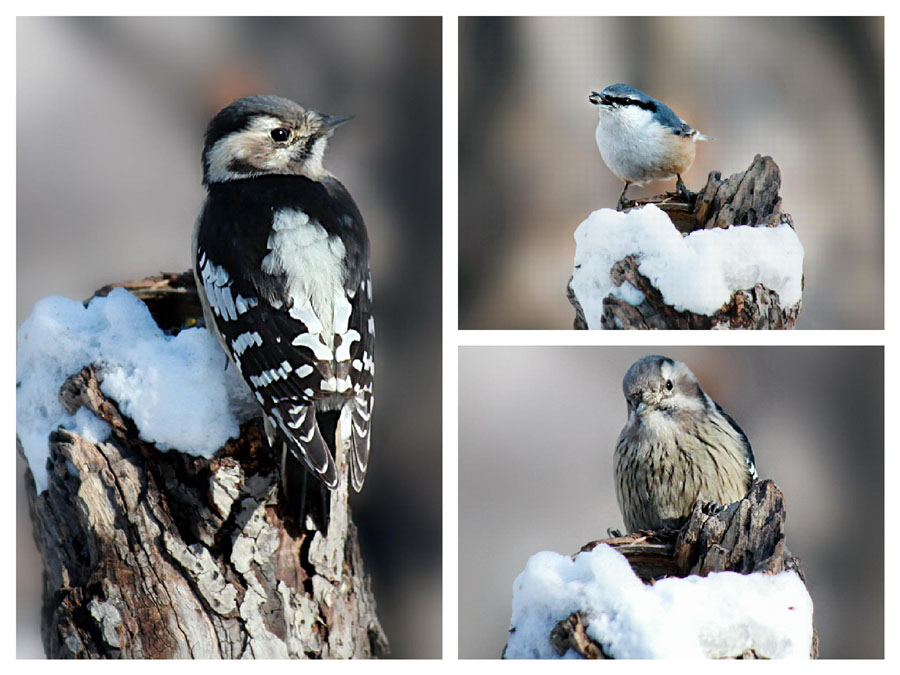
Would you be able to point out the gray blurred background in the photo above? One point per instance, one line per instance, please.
(807, 91)
(110, 120)
(537, 431)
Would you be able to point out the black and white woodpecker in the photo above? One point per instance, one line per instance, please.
(678, 447)
(281, 259)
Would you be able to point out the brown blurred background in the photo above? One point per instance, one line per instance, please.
(537, 431)
(110, 120)
(807, 91)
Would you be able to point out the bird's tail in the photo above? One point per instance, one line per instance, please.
(303, 493)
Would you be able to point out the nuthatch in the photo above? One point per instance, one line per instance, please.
(642, 139)
(677, 448)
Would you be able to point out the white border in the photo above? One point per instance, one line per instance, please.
(724, 338)
(452, 338)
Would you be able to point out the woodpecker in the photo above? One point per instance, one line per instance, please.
(678, 447)
(281, 260)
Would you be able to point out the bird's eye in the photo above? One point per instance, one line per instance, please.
(280, 135)
(669, 385)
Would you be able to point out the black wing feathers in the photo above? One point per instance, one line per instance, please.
(251, 310)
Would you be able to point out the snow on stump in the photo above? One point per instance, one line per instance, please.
(729, 259)
(724, 586)
(154, 495)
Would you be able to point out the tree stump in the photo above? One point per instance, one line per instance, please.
(747, 198)
(152, 554)
(744, 537)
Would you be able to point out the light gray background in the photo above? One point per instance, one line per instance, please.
(110, 120)
(537, 430)
(809, 91)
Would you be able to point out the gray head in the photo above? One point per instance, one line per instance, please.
(617, 98)
(260, 135)
(659, 384)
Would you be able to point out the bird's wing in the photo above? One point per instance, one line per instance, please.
(742, 438)
(361, 366)
(289, 366)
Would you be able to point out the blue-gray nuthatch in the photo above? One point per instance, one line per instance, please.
(642, 139)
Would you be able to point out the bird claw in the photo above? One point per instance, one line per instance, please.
(682, 191)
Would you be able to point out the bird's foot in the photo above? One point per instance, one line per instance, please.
(620, 205)
(682, 191)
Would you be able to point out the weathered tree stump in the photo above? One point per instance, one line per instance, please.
(747, 198)
(152, 554)
(744, 537)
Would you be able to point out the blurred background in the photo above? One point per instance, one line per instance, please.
(536, 468)
(807, 91)
(110, 120)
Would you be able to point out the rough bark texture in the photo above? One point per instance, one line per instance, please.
(152, 554)
(747, 198)
(745, 537)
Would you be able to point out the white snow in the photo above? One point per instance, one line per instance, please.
(697, 273)
(720, 615)
(176, 389)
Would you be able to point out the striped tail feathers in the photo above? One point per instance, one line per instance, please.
(353, 437)
(298, 425)
(305, 495)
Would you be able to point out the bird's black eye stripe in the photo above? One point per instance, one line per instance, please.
(669, 385)
(303, 150)
(280, 135)
(646, 105)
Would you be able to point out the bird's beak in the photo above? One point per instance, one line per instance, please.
(597, 99)
(641, 409)
(332, 122)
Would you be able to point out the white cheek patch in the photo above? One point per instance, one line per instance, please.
(278, 160)
(630, 120)
(250, 145)
(312, 166)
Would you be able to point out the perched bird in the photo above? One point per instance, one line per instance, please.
(641, 139)
(678, 447)
(281, 259)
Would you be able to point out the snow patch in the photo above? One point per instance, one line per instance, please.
(697, 273)
(716, 616)
(177, 389)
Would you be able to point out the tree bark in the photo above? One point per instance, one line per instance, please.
(744, 537)
(747, 198)
(152, 554)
